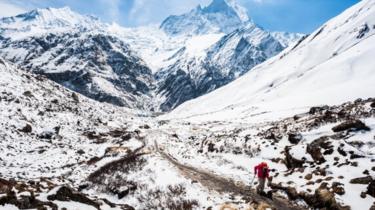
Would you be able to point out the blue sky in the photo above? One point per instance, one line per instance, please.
(277, 15)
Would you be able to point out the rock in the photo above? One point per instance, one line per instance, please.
(211, 147)
(46, 135)
(314, 148)
(292, 193)
(80, 152)
(372, 207)
(341, 151)
(126, 137)
(75, 97)
(325, 196)
(67, 194)
(290, 161)
(122, 193)
(57, 130)
(145, 127)
(5, 186)
(372, 104)
(27, 129)
(294, 138)
(362, 180)
(315, 110)
(28, 93)
(371, 188)
(351, 125)
(25, 202)
(308, 176)
(363, 195)
(337, 188)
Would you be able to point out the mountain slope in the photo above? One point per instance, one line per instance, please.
(195, 74)
(336, 60)
(286, 38)
(74, 51)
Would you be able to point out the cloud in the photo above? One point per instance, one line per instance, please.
(8, 9)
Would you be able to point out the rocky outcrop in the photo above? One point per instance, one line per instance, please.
(290, 161)
(314, 149)
(362, 180)
(351, 125)
(371, 188)
(26, 202)
(294, 138)
(67, 194)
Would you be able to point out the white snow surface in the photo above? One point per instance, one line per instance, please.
(332, 65)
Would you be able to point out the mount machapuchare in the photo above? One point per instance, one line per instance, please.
(127, 66)
(197, 68)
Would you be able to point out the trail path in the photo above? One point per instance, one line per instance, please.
(224, 185)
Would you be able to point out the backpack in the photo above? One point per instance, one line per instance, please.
(264, 171)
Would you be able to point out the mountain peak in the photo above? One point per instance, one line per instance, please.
(47, 13)
(229, 7)
(221, 16)
(44, 20)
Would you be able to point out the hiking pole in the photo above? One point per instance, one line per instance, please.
(252, 181)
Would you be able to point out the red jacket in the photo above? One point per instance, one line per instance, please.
(262, 171)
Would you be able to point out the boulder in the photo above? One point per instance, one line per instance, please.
(338, 188)
(46, 135)
(362, 180)
(371, 188)
(290, 161)
(75, 97)
(314, 148)
(27, 129)
(294, 138)
(211, 147)
(351, 125)
(308, 176)
(28, 93)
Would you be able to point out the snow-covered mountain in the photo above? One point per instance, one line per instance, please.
(332, 65)
(49, 20)
(196, 73)
(76, 51)
(215, 54)
(221, 16)
(128, 66)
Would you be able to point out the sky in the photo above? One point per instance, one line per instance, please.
(275, 15)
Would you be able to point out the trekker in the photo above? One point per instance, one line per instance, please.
(262, 171)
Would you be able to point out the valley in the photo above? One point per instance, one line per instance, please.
(98, 116)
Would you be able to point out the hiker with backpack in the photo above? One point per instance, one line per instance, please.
(262, 171)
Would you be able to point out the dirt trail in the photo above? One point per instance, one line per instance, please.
(221, 184)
